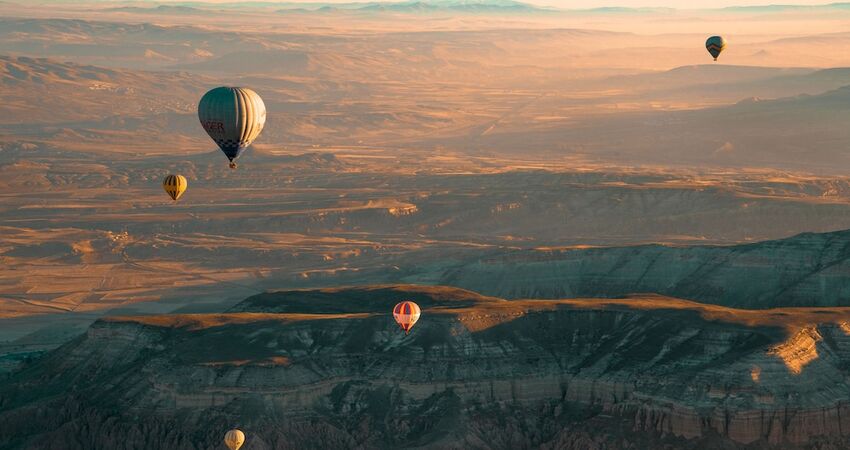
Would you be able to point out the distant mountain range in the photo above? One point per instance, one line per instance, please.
(431, 6)
(164, 9)
(784, 8)
(401, 6)
(424, 6)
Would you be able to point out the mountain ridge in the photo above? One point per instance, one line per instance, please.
(709, 274)
(659, 375)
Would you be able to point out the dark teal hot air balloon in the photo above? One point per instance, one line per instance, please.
(233, 117)
(715, 45)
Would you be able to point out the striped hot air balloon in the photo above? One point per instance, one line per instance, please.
(233, 117)
(715, 45)
(175, 186)
(234, 439)
(406, 314)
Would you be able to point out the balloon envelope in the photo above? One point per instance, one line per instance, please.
(234, 439)
(715, 45)
(233, 117)
(175, 186)
(406, 314)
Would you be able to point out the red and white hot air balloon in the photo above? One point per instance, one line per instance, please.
(406, 314)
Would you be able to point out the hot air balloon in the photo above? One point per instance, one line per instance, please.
(233, 117)
(175, 185)
(715, 45)
(234, 439)
(406, 314)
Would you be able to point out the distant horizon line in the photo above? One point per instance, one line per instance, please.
(543, 4)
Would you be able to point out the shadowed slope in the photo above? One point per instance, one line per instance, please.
(805, 270)
(375, 299)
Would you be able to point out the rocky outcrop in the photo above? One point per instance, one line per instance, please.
(476, 372)
(806, 270)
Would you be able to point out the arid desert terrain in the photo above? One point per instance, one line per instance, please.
(616, 242)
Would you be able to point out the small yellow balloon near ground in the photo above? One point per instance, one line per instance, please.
(175, 186)
(234, 439)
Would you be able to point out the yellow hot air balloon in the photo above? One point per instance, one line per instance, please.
(175, 186)
(233, 117)
(234, 439)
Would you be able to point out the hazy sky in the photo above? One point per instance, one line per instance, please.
(577, 4)
(683, 4)
(675, 3)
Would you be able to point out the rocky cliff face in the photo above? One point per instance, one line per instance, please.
(805, 270)
(476, 372)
